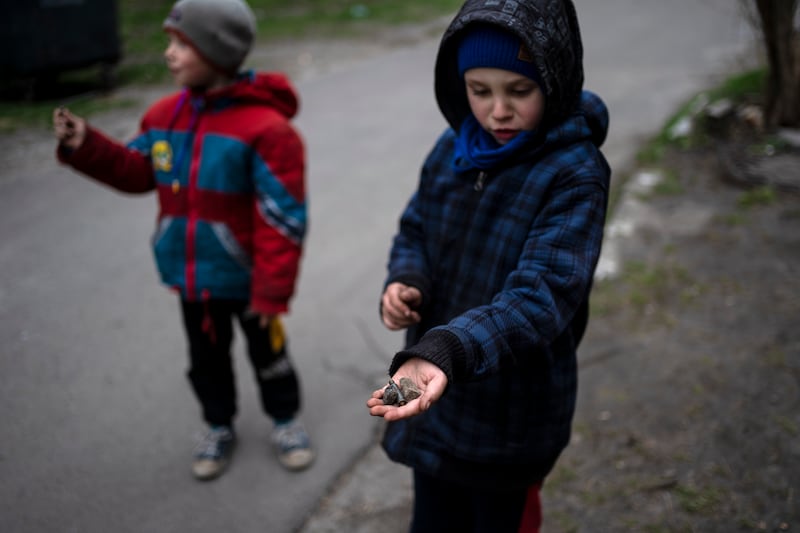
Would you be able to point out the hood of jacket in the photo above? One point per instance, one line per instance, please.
(270, 89)
(548, 28)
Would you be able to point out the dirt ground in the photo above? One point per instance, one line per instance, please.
(690, 417)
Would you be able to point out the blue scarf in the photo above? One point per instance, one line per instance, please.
(476, 148)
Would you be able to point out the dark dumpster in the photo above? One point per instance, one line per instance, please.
(42, 38)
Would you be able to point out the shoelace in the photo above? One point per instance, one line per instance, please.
(210, 445)
(291, 437)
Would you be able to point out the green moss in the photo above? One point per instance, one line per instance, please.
(742, 87)
(759, 196)
(698, 500)
(745, 86)
(787, 424)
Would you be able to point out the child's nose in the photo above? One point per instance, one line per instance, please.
(500, 109)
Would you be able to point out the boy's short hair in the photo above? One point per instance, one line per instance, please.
(222, 31)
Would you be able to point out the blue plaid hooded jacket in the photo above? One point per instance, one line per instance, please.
(504, 259)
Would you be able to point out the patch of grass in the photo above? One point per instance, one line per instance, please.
(144, 40)
(668, 185)
(692, 292)
(652, 153)
(742, 87)
(732, 219)
(643, 289)
(759, 196)
(653, 284)
(561, 475)
(594, 497)
(146, 73)
(787, 424)
(605, 298)
(655, 528)
(342, 18)
(746, 522)
(696, 500)
(768, 146)
(565, 522)
(39, 114)
(613, 395)
(776, 357)
(641, 275)
(745, 86)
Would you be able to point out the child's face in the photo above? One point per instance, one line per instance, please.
(188, 68)
(504, 102)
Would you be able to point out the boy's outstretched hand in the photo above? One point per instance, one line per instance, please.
(428, 377)
(399, 304)
(70, 129)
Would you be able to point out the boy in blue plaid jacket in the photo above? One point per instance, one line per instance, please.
(491, 268)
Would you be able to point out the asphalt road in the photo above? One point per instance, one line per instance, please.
(96, 417)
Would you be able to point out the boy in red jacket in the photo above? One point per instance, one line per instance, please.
(228, 168)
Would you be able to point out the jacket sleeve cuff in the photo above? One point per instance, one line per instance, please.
(412, 280)
(63, 153)
(267, 307)
(68, 155)
(438, 346)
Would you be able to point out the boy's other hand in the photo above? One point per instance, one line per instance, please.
(399, 304)
(430, 379)
(70, 129)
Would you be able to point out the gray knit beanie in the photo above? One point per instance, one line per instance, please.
(222, 31)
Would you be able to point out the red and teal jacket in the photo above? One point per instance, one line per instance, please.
(229, 170)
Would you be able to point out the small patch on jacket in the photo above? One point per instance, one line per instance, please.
(524, 55)
(161, 154)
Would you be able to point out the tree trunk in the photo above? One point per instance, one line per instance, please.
(783, 56)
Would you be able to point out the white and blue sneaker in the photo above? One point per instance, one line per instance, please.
(292, 445)
(213, 453)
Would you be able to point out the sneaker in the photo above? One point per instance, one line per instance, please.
(292, 445)
(213, 453)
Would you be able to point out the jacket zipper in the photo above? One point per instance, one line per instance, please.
(480, 181)
(192, 215)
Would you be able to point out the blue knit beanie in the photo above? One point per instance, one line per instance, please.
(487, 46)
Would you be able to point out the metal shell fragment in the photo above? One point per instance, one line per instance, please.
(401, 394)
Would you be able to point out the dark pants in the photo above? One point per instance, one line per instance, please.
(209, 329)
(444, 507)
